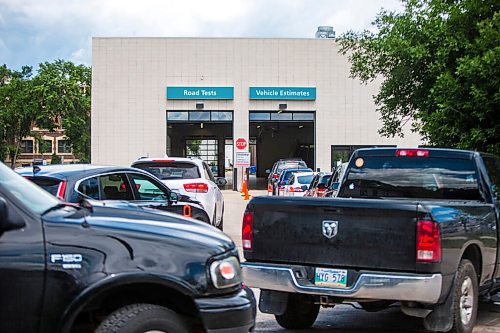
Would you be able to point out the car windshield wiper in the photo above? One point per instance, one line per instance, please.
(60, 206)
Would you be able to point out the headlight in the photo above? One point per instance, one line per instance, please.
(225, 273)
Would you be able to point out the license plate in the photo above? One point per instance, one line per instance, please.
(328, 277)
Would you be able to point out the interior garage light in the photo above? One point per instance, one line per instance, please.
(201, 125)
(258, 126)
(300, 126)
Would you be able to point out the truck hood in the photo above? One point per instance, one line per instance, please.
(147, 225)
(156, 223)
(156, 243)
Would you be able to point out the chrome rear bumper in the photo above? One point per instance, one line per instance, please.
(424, 288)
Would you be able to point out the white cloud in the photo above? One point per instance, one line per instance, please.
(62, 28)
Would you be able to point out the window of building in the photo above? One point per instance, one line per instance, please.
(303, 116)
(26, 147)
(63, 147)
(256, 116)
(179, 116)
(206, 149)
(205, 116)
(45, 146)
(222, 116)
(281, 116)
(199, 116)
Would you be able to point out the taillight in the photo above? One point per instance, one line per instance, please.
(428, 241)
(412, 153)
(246, 230)
(269, 188)
(196, 187)
(321, 190)
(61, 190)
(296, 189)
(275, 176)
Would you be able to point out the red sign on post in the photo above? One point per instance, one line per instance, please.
(241, 143)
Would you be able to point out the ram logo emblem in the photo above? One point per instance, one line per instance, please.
(330, 228)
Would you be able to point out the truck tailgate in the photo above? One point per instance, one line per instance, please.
(369, 233)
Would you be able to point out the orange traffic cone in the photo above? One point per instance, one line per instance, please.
(245, 189)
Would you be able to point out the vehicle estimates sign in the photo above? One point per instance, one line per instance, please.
(283, 93)
(242, 159)
(200, 92)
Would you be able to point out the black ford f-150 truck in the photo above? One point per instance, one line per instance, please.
(414, 226)
(75, 269)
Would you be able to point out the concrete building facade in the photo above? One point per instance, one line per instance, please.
(150, 95)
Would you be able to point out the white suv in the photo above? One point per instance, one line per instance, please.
(191, 177)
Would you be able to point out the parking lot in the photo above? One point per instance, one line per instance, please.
(344, 318)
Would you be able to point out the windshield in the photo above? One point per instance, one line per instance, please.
(48, 184)
(170, 170)
(411, 177)
(305, 179)
(29, 194)
(290, 165)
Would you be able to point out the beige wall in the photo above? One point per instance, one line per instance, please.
(130, 76)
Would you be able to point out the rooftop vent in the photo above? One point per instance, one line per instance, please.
(325, 32)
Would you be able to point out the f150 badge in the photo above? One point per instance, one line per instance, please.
(68, 261)
(330, 228)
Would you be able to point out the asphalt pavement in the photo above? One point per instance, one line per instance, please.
(343, 318)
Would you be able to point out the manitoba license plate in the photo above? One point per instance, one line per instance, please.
(328, 277)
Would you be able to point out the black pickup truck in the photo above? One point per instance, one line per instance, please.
(417, 227)
(65, 268)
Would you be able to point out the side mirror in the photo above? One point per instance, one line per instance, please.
(285, 182)
(8, 222)
(335, 186)
(174, 197)
(221, 181)
(268, 171)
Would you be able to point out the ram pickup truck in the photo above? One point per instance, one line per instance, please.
(65, 268)
(416, 227)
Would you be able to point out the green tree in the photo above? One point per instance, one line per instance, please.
(64, 88)
(18, 110)
(439, 62)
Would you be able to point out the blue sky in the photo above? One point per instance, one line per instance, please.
(34, 31)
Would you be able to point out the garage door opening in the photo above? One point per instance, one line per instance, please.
(202, 134)
(281, 135)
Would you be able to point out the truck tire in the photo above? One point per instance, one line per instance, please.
(466, 298)
(300, 312)
(140, 318)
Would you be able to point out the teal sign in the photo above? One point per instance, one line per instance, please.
(284, 93)
(200, 92)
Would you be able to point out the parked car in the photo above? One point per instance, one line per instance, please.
(116, 186)
(284, 178)
(298, 183)
(278, 167)
(66, 268)
(333, 185)
(191, 177)
(317, 188)
(416, 227)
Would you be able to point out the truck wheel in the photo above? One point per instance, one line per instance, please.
(300, 312)
(466, 298)
(140, 318)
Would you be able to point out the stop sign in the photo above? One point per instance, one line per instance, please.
(241, 143)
